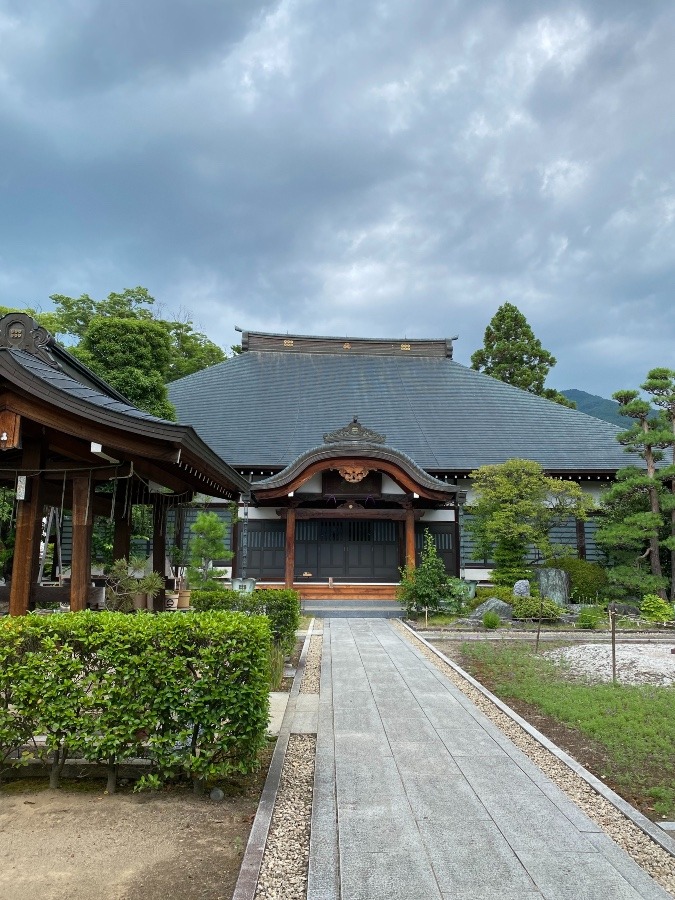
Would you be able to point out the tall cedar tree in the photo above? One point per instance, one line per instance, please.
(640, 506)
(512, 353)
(515, 507)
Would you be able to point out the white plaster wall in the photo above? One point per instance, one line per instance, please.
(389, 486)
(438, 515)
(255, 512)
(313, 486)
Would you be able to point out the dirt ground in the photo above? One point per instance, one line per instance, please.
(85, 845)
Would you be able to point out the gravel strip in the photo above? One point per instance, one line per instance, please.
(312, 676)
(283, 874)
(635, 663)
(646, 853)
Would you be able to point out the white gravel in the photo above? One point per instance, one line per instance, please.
(635, 663)
(312, 674)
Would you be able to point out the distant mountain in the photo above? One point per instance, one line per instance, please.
(596, 406)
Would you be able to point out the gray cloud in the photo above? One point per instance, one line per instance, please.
(393, 168)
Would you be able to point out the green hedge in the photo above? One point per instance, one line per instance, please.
(190, 692)
(282, 608)
(588, 580)
(533, 607)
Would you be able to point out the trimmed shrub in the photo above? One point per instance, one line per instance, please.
(654, 609)
(188, 692)
(491, 620)
(588, 580)
(533, 607)
(282, 608)
(498, 591)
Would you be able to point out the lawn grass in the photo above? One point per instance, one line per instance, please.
(634, 724)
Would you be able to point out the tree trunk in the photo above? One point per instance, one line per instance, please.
(113, 768)
(654, 544)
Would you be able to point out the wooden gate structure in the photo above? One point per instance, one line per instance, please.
(64, 435)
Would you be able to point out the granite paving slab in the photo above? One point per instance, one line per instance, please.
(418, 796)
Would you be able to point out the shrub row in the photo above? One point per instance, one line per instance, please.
(189, 692)
(281, 607)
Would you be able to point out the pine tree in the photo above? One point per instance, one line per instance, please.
(639, 503)
(512, 353)
(660, 385)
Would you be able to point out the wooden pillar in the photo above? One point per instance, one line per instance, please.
(122, 539)
(290, 547)
(159, 547)
(581, 539)
(83, 518)
(410, 537)
(28, 530)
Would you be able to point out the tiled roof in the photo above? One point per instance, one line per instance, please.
(264, 409)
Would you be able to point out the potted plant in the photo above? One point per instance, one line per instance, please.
(149, 586)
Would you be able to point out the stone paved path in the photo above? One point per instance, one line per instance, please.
(419, 796)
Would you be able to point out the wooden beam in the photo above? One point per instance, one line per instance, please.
(290, 547)
(410, 538)
(28, 529)
(122, 538)
(358, 512)
(402, 478)
(10, 426)
(83, 517)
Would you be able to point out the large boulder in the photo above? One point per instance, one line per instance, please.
(521, 588)
(554, 584)
(493, 604)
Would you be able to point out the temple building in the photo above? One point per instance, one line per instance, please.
(354, 447)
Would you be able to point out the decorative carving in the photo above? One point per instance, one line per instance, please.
(350, 504)
(354, 433)
(353, 474)
(21, 332)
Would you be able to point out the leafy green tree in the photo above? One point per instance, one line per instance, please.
(132, 355)
(639, 507)
(206, 544)
(428, 586)
(512, 353)
(191, 350)
(516, 505)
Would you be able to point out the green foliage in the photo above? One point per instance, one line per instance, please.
(207, 542)
(536, 607)
(639, 528)
(635, 725)
(133, 356)
(429, 587)
(190, 350)
(188, 692)
(282, 608)
(513, 354)
(588, 580)
(590, 618)
(491, 620)
(501, 592)
(516, 506)
(654, 609)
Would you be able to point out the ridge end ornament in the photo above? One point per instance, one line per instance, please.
(355, 432)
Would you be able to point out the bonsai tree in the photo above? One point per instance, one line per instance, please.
(122, 584)
(207, 543)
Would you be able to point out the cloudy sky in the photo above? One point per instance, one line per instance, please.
(394, 168)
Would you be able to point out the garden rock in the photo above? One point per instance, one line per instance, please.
(493, 604)
(554, 584)
(521, 588)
